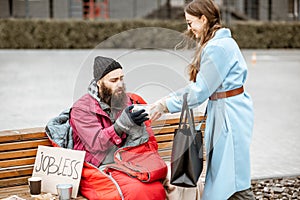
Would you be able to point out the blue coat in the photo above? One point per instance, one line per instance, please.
(229, 121)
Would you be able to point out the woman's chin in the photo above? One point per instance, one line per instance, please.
(197, 35)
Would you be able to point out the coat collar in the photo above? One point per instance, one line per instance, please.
(222, 33)
(93, 92)
(102, 108)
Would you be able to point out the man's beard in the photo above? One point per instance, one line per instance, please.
(116, 101)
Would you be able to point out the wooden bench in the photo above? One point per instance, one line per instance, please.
(18, 150)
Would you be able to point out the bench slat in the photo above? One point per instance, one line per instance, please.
(23, 134)
(24, 145)
(174, 120)
(164, 138)
(167, 158)
(165, 145)
(17, 162)
(17, 154)
(165, 122)
(165, 153)
(14, 181)
(166, 129)
(21, 191)
(16, 172)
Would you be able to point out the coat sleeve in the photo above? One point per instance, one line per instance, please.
(215, 65)
(91, 132)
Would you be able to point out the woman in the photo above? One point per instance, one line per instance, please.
(218, 72)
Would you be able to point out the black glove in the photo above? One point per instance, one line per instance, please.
(138, 117)
(129, 119)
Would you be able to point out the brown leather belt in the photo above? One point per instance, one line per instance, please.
(229, 93)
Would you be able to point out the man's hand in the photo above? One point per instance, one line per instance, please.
(139, 116)
(129, 119)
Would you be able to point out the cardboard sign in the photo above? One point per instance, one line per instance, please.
(58, 166)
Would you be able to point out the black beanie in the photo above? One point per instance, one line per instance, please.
(104, 65)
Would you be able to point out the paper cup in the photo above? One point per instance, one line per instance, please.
(35, 185)
(64, 191)
(138, 107)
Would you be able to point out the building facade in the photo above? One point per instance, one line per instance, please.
(264, 10)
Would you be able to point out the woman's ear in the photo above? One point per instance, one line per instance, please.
(204, 19)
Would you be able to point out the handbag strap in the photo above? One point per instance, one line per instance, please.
(192, 119)
(183, 109)
(188, 114)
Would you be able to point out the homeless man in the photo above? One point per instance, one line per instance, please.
(105, 127)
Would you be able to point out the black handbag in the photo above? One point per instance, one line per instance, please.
(187, 150)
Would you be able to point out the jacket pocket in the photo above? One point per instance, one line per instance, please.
(227, 122)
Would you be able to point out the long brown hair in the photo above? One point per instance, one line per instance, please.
(210, 10)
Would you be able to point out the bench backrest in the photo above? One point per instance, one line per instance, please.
(18, 148)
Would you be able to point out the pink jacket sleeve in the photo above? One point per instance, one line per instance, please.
(95, 131)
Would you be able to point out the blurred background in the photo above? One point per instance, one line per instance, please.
(265, 10)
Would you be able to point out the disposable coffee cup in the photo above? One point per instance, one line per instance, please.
(64, 191)
(35, 185)
(138, 107)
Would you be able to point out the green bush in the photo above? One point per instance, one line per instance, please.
(263, 35)
(72, 34)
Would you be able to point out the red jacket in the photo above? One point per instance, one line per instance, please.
(92, 125)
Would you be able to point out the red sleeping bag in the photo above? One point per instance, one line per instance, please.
(137, 173)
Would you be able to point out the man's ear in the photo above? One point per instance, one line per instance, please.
(99, 83)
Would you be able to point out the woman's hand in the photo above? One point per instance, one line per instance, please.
(157, 109)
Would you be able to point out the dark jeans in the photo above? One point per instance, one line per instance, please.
(243, 195)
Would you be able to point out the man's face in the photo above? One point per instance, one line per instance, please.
(112, 88)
